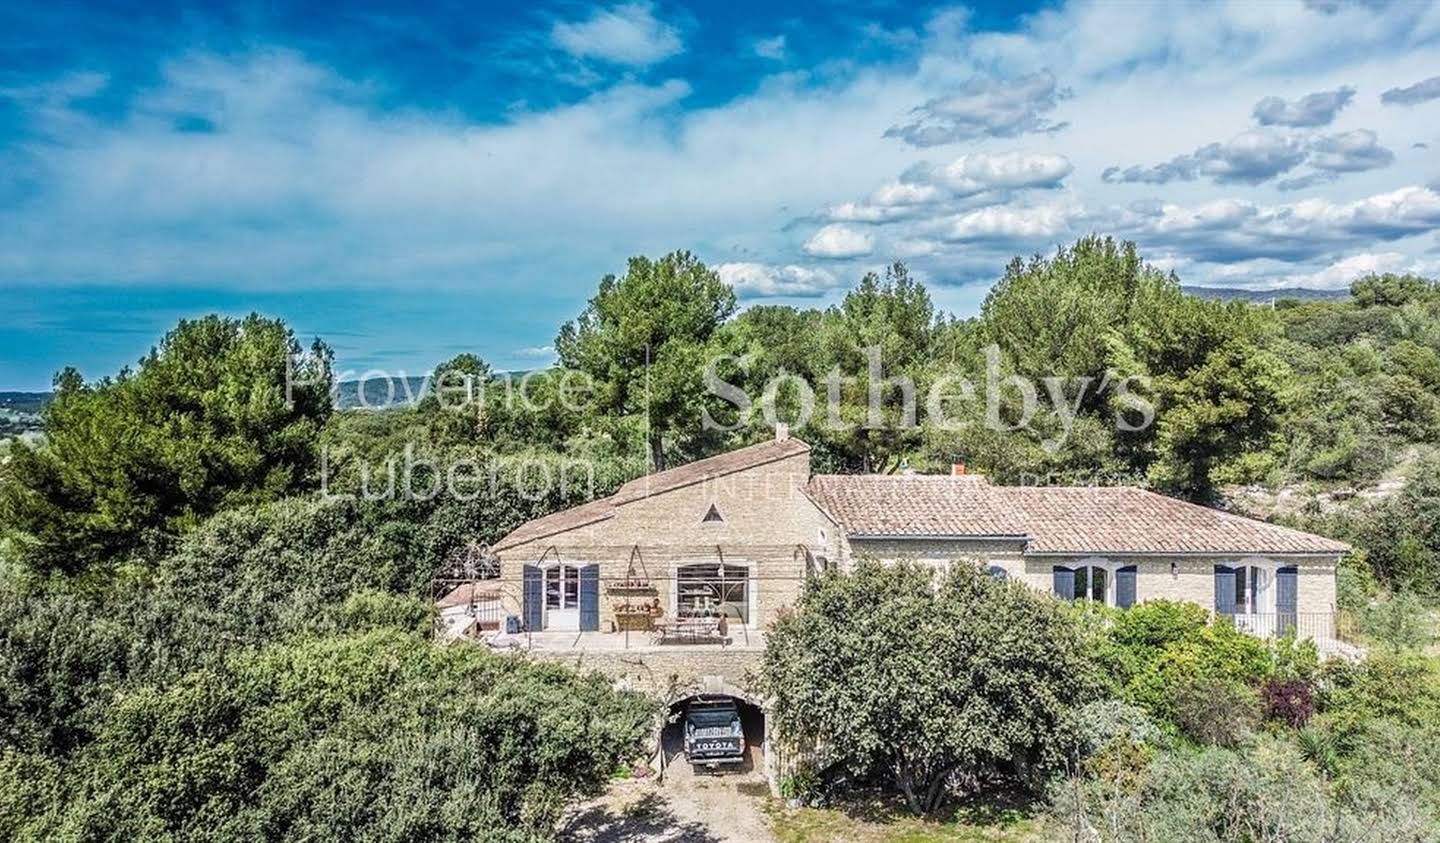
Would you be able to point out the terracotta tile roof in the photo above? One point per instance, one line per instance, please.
(1121, 519)
(467, 593)
(916, 505)
(558, 522)
(653, 484)
(710, 468)
(1054, 519)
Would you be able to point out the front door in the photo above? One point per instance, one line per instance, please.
(562, 597)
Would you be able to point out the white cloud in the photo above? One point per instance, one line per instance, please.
(915, 247)
(1422, 91)
(535, 352)
(871, 212)
(1350, 152)
(626, 34)
(1345, 152)
(759, 280)
(312, 179)
(1025, 225)
(772, 48)
(985, 107)
(1318, 109)
(978, 172)
(1338, 275)
(1250, 157)
(840, 241)
(897, 193)
(1233, 230)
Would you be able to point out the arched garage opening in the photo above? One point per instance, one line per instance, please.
(707, 719)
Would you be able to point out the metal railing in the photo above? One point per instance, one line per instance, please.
(1319, 626)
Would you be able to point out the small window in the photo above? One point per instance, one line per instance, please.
(712, 515)
(997, 572)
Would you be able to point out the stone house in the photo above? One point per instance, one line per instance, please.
(669, 584)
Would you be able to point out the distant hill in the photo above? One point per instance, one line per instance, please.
(20, 412)
(1235, 293)
(20, 407)
(379, 393)
(28, 403)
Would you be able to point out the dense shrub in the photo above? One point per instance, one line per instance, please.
(1294, 658)
(1162, 645)
(1400, 621)
(920, 686)
(61, 661)
(1400, 687)
(1268, 793)
(377, 736)
(1215, 711)
(1290, 701)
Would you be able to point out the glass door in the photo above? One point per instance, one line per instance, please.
(562, 597)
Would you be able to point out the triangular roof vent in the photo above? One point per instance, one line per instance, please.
(712, 515)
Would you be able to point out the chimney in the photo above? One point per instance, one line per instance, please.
(957, 469)
(782, 431)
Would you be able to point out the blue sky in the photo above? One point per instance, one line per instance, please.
(411, 185)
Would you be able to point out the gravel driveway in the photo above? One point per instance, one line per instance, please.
(703, 808)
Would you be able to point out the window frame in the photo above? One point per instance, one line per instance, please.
(1110, 567)
(748, 582)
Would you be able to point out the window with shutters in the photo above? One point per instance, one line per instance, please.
(1098, 582)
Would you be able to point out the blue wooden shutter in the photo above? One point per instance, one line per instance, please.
(997, 572)
(590, 598)
(1064, 583)
(1286, 598)
(1224, 590)
(1125, 586)
(532, 606)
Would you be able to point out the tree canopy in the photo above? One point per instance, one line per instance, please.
(222, 412)
(645, 338)
(891, 677)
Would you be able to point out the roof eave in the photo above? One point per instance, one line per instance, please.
(940, 536)
(1216, 552)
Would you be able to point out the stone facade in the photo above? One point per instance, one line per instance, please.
(1186, 578)
(766, 524)
(752, 510)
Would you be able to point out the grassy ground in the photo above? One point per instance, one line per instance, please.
(878, 821)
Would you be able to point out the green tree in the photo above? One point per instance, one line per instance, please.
(1054, 315)
(1401, 534)
(1227, 407)
(1389, 289)
(880, 339)
(645, 339)
(224, 411)
(454, 407)
(893, 678)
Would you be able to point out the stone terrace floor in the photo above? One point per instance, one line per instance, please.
(555, 641)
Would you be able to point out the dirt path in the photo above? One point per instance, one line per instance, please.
(686, 807)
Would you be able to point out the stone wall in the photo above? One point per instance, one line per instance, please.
(1187, 578)
(669, 674)
(768, 525)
